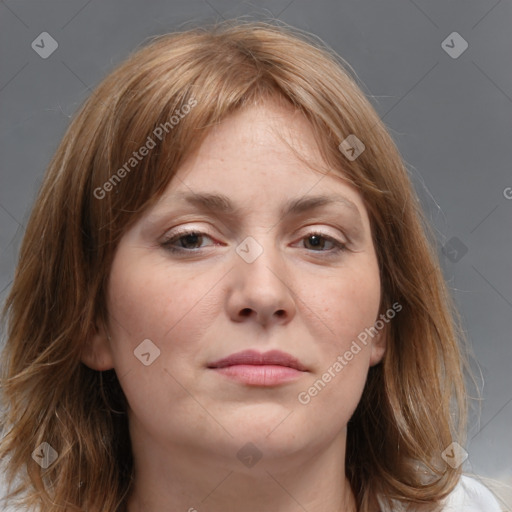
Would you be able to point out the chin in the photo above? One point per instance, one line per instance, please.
(275, 432)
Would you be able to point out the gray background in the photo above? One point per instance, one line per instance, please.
(450, 117)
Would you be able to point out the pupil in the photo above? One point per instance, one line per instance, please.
(187, 238)
(316, 240)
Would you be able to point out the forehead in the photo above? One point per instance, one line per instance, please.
(263, 158)
(259, 131)
(266, 146)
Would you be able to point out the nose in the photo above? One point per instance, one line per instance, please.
(261, 290)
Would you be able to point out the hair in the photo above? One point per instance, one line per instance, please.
(414, 402)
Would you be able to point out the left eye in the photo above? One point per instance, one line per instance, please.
(318, 240)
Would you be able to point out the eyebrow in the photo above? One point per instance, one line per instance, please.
(220, 203)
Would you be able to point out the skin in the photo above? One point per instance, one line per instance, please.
(187, 422)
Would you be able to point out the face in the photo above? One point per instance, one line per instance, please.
(289, 277)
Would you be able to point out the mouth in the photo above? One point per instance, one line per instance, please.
(260, 369)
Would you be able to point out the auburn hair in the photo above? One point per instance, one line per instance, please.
(414, 402)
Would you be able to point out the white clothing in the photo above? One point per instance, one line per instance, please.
(471, 496)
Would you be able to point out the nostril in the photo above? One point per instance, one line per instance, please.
(280, 313)
(245, 312)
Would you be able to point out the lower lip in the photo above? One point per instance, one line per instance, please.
(260, 375)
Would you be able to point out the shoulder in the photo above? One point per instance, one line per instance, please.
(470, 496)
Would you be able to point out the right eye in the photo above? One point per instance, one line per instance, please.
(185, 239)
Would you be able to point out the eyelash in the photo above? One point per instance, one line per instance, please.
(167, 243)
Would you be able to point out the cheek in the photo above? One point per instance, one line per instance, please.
(147, 301)
(347, 303)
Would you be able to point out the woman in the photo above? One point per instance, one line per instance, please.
(226, 299)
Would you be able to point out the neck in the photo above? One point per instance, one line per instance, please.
(182, 478)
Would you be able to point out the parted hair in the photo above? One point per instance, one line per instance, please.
(414, 402)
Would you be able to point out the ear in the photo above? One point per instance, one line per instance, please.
(97, 352)
(378, 346)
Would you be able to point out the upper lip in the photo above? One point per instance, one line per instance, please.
(272, 357)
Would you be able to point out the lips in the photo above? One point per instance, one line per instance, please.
(252, 357)
(253, 369)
